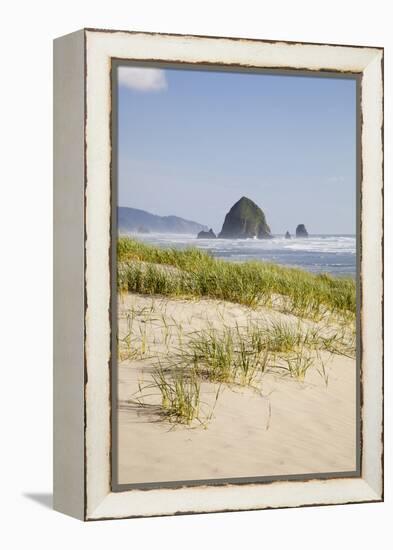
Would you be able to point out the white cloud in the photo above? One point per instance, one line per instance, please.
(142, 79)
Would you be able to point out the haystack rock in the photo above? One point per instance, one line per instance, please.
(301, 231)
(206, 234)
(245, 220)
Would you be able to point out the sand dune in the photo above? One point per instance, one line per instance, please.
(286, 427)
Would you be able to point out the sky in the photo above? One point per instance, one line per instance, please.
(192, 142)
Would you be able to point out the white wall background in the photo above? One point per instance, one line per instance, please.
(27, 29)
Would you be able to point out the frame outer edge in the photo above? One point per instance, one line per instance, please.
(372, 272)
(68, 291)
(102, 504)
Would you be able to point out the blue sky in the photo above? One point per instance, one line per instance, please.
(191, 143)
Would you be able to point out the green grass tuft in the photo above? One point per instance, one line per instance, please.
(193, 273)
(179, 391)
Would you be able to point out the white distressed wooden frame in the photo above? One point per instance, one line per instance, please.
(82, 174)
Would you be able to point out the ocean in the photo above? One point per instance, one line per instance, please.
(335, 254)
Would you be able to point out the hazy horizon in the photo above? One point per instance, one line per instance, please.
(192, 143)
(291, 230)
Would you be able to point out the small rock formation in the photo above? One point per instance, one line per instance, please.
(288, 235)
(206, 234)
(245, 220)
(143, 229)
(301, 231)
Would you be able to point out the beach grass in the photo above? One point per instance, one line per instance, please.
(297, 364)
(284, 337)
(192, 273)
(321, 325)
(232, 355)
(241, 355)
(179, 394)
(224, 357)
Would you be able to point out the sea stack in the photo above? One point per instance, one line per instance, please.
(288, 235)
(245, 220)
(301, 231)
(206, 234)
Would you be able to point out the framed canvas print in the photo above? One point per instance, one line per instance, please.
(218, 274)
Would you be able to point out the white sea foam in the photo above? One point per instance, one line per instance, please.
(317, 243)
(331, 253)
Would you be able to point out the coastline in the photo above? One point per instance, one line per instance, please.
(334, 254)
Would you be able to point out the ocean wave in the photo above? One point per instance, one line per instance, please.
(324, 244)
(330, 253)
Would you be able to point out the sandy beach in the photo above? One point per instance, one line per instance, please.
(278, 425)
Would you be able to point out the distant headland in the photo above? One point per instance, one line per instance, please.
(133, 220)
